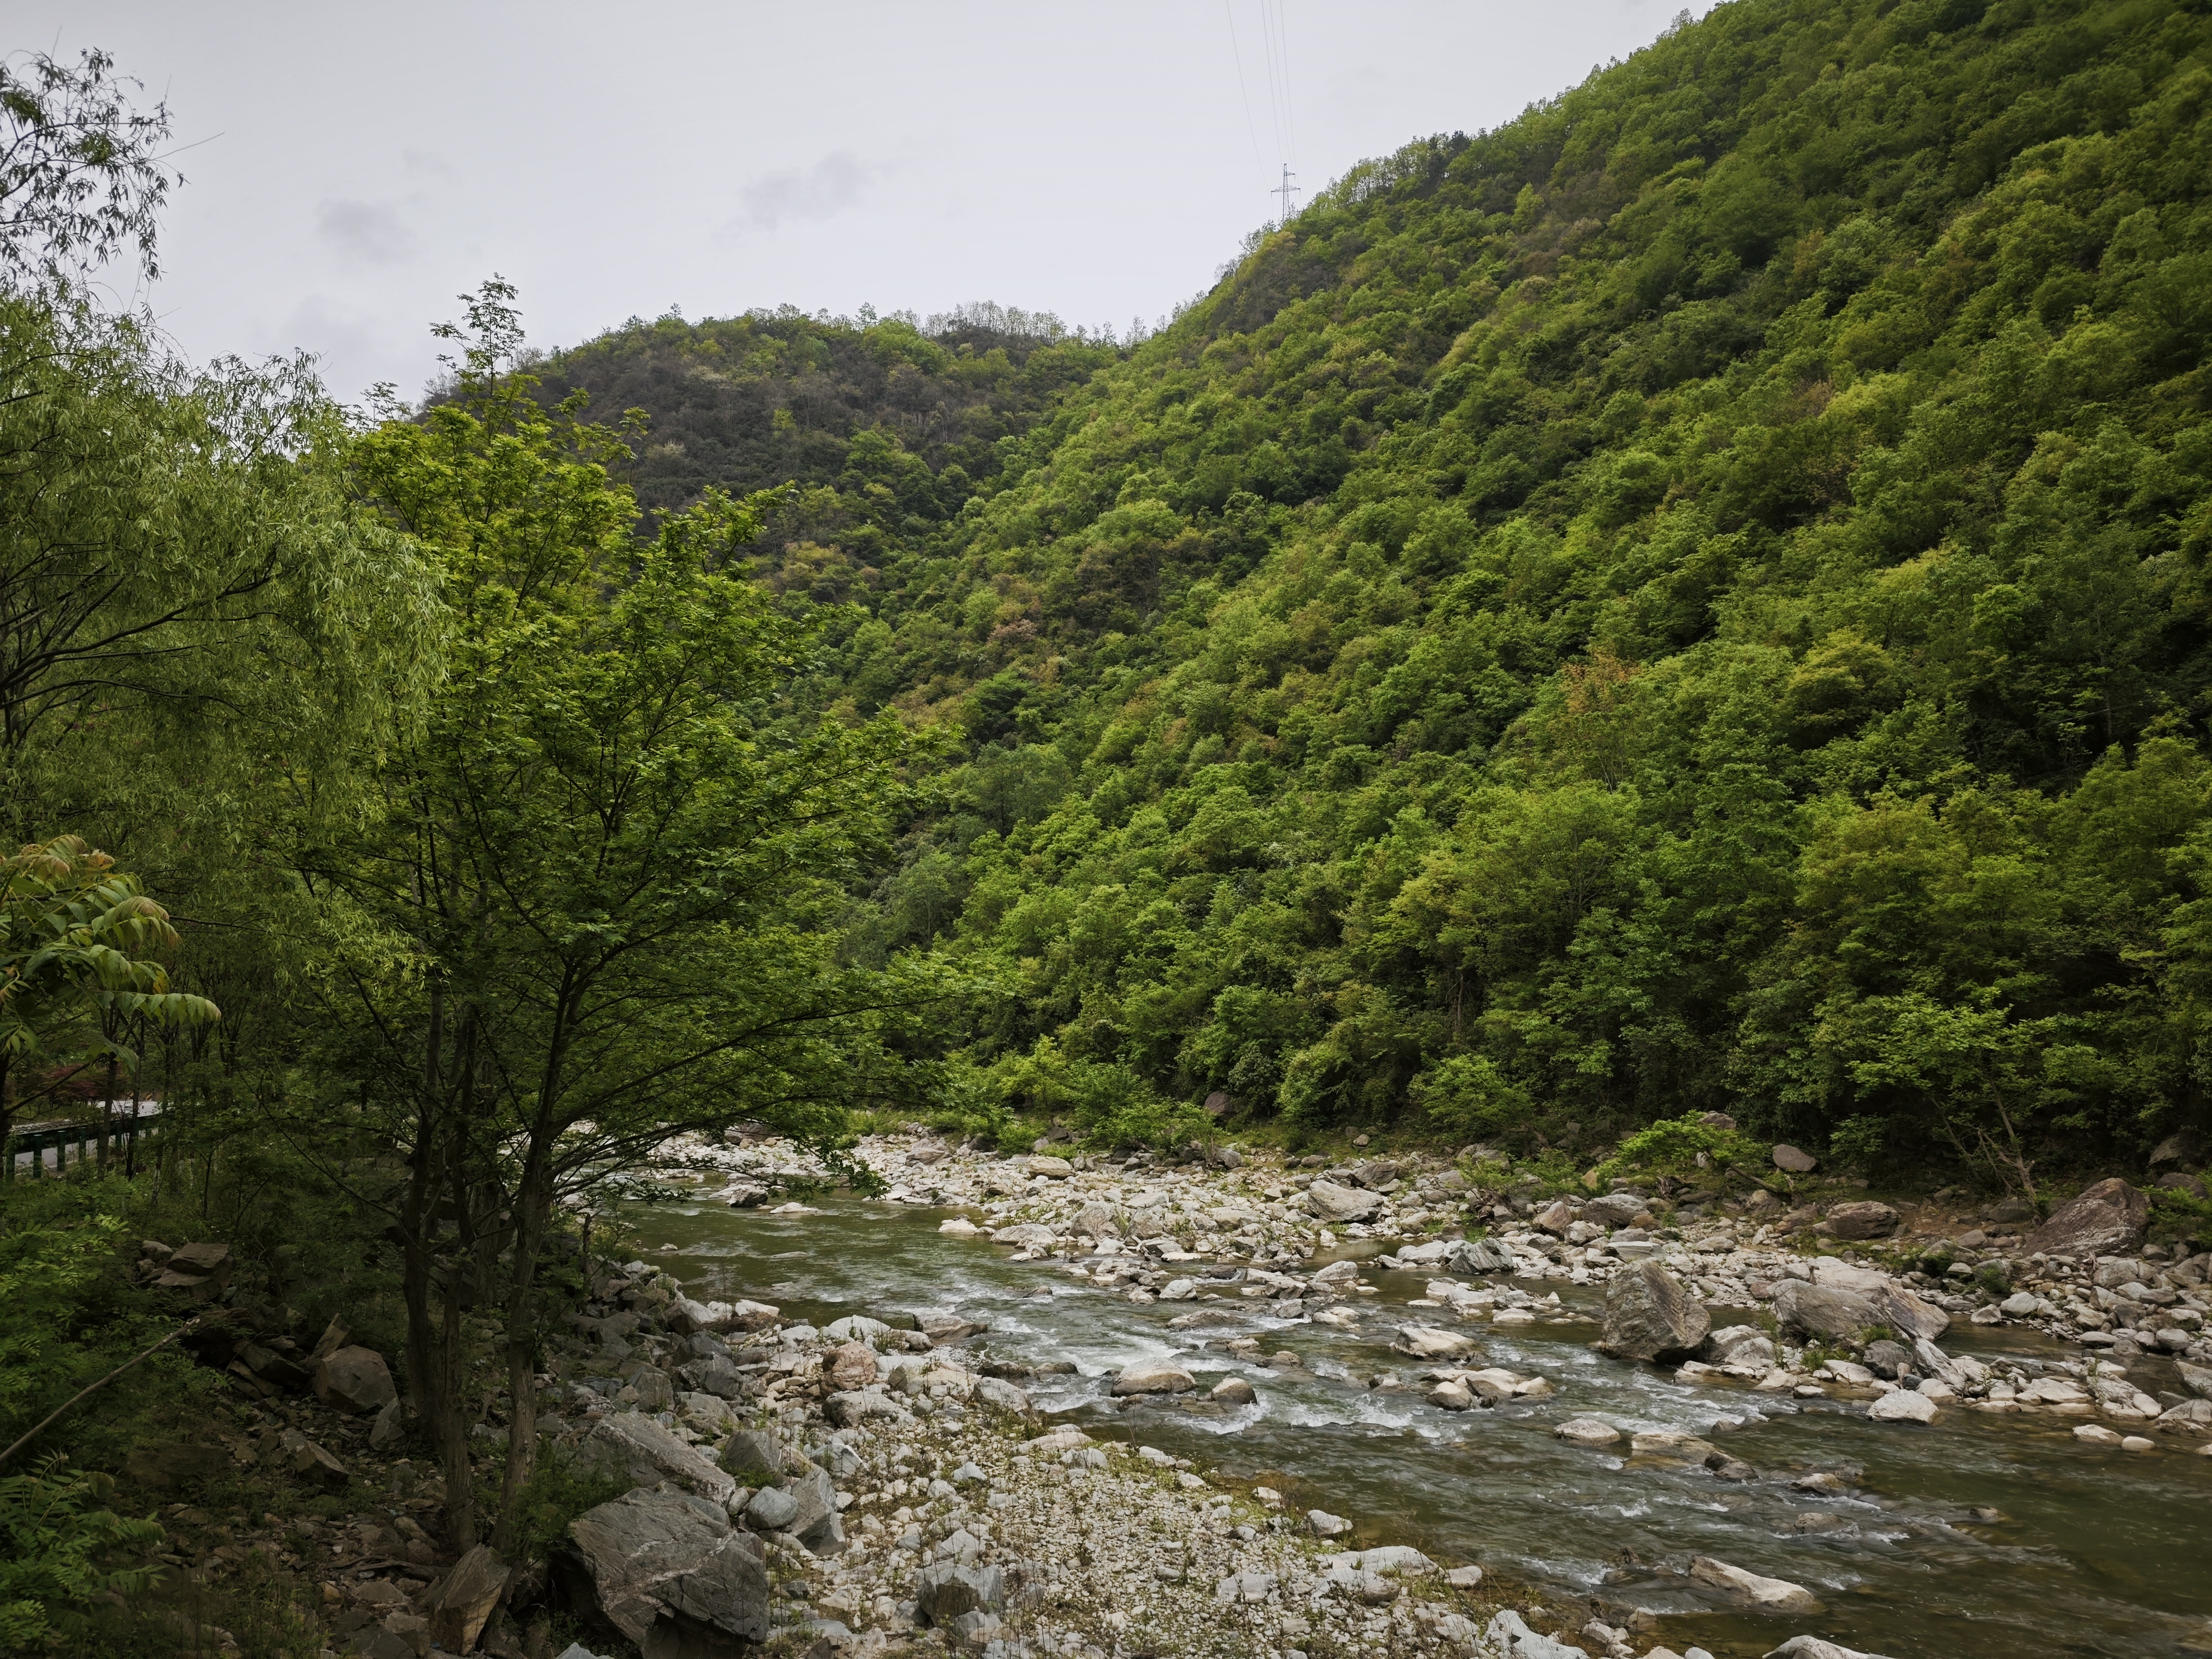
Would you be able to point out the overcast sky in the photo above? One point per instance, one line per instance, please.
(352, 167)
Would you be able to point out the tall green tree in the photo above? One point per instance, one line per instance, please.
(589, 912)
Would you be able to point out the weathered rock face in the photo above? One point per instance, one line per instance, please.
(1650, 1318)
(631, 1446)
(668, 1572)
(2109, 1218)
(458, 1604)
(355, 1380)
(1331, 1202)
(1823, 1310)
(1862, 1218)
(1096, 1219)
(1912, 1317)
(1790, 1161)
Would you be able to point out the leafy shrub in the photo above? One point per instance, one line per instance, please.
(59, 1549)
(558, 1491)
(1672, 1147)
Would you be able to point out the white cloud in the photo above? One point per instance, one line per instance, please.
(833, 183)
(372, 232)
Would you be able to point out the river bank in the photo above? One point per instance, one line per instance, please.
(1221, 1263)
(1036, 1406)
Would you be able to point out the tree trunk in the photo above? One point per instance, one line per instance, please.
(533, 1208)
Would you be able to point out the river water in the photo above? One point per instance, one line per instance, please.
(2093, 1551)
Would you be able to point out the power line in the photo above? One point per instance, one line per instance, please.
(1283, 46)
(1230, 10)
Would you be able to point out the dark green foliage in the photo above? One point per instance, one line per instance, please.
(557, 1492)
(61, 1547)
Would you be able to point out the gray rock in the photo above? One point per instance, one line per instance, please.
(1332, 1202)
(1479, 1256)
(2196, 1378)
(1096, 1218)
(1910, 1316)
(655, 1392)
(632, 1447)
(355, 1380)
(388, 1432)
(1769, 1594)
(1428, 1342)
(1233, 1391)
(1510, 1636)
(305, 1457)
(1812, 1647)
(815, 1523)
(1587, 1431)
(1152, 1376)
(669, 1574)
(754, 1456)
(1887, 1359)
(1823, 1310)
(771, 1509)
(849, 1411)
(1902, 1406)
(1790, 1161)
(1554, 1218)
(1740, 1345)
(1614, 1210)
(1245, 1587)
(1862, 1218)
(2109, 1218)
(1650, 1318)
(1322, 1524)
(947, 1591)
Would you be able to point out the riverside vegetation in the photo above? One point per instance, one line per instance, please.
(1686, 609)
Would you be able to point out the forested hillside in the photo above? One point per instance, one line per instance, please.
(1694, 599)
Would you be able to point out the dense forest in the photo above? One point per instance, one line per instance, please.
(1695, 600)
(1692, 600)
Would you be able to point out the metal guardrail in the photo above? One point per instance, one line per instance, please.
(27, 1148)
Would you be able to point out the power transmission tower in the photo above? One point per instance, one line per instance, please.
(1287, 192)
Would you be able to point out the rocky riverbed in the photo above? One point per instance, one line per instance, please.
(896, 1473)
(1234, 1405)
